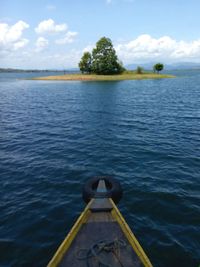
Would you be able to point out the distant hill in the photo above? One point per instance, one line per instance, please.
(21, 70)
(173, 66)
(184, 65)
(36, 70)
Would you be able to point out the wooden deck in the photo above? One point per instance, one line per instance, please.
(100, 223)
(90, 234)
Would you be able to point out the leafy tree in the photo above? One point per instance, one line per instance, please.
(85, 64)
(139, 70)
(158, 67)
(105, 60)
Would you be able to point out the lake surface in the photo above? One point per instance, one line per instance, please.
(56, 135)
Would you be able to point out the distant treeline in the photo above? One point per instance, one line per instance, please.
(21, 70)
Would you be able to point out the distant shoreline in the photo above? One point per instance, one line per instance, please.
(10, 70)
(94, 77)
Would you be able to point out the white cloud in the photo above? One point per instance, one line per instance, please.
(143, 49)
(20, 44)
(49, 26)
(11, 36)
(146, 48)
(68, 38)
(41, 44)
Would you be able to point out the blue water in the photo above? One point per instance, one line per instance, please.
(56, 135)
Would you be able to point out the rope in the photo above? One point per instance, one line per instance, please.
(97, 248)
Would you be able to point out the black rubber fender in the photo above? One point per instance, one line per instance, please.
(114, 189)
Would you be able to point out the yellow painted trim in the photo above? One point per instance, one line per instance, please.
(130, 236)
(70, 237)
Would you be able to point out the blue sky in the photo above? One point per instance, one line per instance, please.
(54, 34)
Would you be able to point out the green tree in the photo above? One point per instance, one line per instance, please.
(158, 67)
(139, 70)
(105, 60)
(85, 64)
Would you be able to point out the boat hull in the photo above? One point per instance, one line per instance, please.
(101, 221)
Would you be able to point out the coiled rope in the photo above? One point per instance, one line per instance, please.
(97, 248)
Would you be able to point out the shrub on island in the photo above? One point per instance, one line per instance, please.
(158, 67)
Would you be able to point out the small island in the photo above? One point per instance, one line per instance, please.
(93, 77)
(103, 65)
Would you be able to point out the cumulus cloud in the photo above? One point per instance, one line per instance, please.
(145, 48)
(41, 44)
(11, 36)
(67, 39)
(49, 26)
(20, 44)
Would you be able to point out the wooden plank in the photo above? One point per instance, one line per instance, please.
(101, 204)
(101, 186)
(90, 235)
(100, 217)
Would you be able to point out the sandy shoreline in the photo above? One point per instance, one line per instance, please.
(93, 77)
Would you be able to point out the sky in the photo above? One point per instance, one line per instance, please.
(53, 34)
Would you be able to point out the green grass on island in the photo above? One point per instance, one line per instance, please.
(128, 75)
